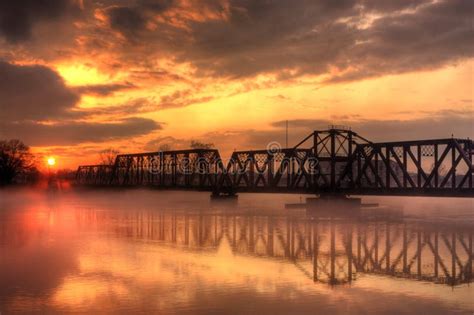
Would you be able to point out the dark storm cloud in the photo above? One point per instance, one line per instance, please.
(433, 36)
(68, 133)
(33, 92)
(294, 38)
(267, 36)
(19, 17)
(128, 21)
(31, 95)
(131, 20)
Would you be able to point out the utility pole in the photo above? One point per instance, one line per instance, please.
(286, 134)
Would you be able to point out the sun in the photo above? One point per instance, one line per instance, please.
(51, 161)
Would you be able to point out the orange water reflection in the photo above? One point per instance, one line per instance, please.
(63, 254)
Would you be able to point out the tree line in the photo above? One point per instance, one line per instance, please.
(17, 163)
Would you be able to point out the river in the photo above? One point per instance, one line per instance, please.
(143, 251)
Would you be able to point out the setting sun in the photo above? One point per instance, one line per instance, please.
(51, 161)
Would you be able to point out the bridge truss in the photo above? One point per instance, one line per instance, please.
(335, 161)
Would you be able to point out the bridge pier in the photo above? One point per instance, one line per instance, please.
(334, 201)
(332, 204)
(228, 194)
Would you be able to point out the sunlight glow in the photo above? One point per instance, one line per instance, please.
(79, 74)
(51, 161)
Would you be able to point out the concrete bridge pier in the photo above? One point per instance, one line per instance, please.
(227, 194)
(332, 204)
(333, 201)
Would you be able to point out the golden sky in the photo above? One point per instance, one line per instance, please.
(80, 76)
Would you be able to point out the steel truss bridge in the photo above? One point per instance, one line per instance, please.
(332, 251)
(333, 161)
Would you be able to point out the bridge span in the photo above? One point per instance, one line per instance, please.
(333, 161)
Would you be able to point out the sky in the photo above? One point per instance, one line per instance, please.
(80, 76)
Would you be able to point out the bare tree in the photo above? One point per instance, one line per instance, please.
(107, 156)
(15, 160)
(200, 145)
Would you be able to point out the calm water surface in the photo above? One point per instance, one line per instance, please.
(171, 252)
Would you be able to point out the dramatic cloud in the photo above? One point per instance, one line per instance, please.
(269, 36)
(33, 92)
(430, 37)
(340, 40)
(128, 21)
(69, 133)
(39, 108)
(310, 37)
(132, 20)
(19, 17)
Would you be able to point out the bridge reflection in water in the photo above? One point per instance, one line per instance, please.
(333, 251)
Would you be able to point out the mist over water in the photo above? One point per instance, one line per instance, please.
(176, 252)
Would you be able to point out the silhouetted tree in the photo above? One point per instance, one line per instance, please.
(15, 160)
(200, 145)
(107, 156)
